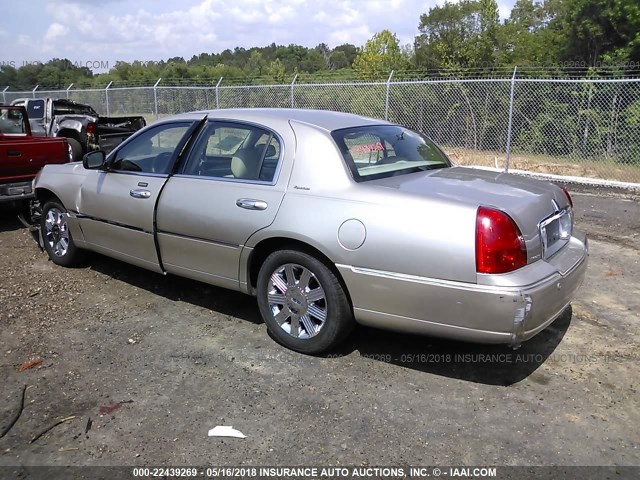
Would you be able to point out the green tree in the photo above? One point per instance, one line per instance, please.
(592, 31)
(455, 35)
(8, 76)
(350, 52)
(338, 60)
(524, 39)
(379, 56)
(277, 71)
(256, 63)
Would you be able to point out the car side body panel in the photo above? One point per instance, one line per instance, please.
(64, 182)
(205, 243)
(466, 311)
(115, 222)
(404, 246)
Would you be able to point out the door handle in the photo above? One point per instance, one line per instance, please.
(13, 153)
(251, 204)
(139, 193)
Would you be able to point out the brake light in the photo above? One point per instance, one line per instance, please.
(500, 247)
(566, 192)
(91, 128)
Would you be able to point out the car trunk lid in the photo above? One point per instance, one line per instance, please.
(528, 201)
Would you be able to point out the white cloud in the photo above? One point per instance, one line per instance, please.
(149, 30)
(24, 40)
(55, 31)
(348, 35)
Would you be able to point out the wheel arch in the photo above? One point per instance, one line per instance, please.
(73, 254)
(44, 195)
(269, 245)
(70, 133)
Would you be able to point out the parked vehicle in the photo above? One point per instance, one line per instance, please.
(327, 218)
(22, 155)
(80, 124)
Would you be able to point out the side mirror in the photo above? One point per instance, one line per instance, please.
(93, 160)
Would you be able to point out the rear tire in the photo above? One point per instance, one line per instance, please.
(56, 235)
(303, 302)
(76, 149)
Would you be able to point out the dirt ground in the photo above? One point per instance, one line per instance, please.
(155, 362)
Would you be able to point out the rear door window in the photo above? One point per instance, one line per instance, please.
(235, 151)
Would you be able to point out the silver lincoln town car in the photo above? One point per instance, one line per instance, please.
(328, 219)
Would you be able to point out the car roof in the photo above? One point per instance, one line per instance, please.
(322, 119)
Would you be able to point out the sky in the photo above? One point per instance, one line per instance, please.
(97, 34)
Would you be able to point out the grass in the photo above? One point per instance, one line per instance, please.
(607, 169)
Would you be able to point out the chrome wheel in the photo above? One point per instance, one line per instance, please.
(56, 232)
(297, 300)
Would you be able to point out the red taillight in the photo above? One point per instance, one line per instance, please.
(500, 247)
(91, 128)
(566, 192)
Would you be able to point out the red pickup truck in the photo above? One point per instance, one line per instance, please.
(23, 155)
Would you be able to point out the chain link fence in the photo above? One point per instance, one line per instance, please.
(586, 128)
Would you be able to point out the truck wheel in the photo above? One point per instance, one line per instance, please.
(76, 149)
(56, 235)
(302, 302)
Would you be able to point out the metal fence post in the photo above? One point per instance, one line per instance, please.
(508, 147)
(292, 84)
(386, 100)
(217, 94)
(106, 96)
(4, 95)
(33, 92)
(155, 98)
(69, 88)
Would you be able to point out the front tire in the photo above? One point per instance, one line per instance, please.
(303, 302)
(76, 149)
(56, 235)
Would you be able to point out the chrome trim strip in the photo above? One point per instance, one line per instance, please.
(205, 274)
(140, 174)
(109, 222)
(224, 179)
(434, 281)
(200, 239)
(428, 322)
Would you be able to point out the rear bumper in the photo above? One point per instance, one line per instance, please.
(10, 192)
(472, 312)
(547, 300)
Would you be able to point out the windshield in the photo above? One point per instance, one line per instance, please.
(12, 122)
(381, 151)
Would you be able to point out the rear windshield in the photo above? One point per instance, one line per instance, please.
(381, 151)
(68, 107)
